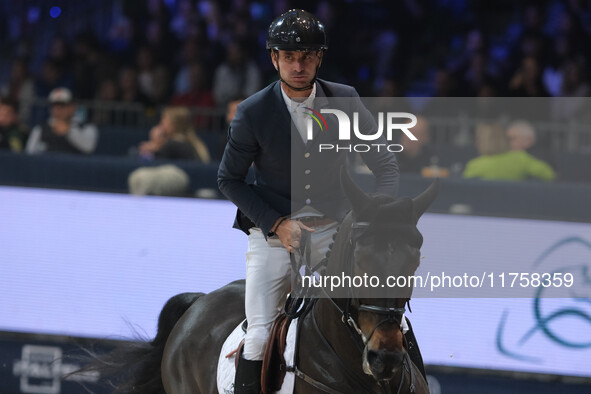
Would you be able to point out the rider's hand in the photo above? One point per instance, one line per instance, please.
(289, 233)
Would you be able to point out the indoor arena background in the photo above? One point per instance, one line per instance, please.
(86, 263)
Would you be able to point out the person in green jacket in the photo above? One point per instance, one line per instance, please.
(498, 162)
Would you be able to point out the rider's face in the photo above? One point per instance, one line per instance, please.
(297, 68)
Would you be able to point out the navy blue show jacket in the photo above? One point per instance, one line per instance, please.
(289, 174)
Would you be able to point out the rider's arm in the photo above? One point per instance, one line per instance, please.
(240, 152)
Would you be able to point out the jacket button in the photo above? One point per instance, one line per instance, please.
(308, 201)
(307, 172)
(307, 155)
(307, 187)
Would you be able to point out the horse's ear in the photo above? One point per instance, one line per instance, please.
(423, 200)
(359, 200)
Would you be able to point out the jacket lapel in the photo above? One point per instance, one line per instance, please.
(283, 122)
(321, 101)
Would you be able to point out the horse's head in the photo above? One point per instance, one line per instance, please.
(386, 244)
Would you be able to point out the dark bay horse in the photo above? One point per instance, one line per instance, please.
(347, 344)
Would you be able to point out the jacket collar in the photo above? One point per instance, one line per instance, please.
(282, 114)
(321, 100)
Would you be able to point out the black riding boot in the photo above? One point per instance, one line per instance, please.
(413, 350)
(248, 377)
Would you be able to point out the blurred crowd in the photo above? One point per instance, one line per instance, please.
(205, 53)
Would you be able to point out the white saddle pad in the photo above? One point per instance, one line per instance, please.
(227, 365)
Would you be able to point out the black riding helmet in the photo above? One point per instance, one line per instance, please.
(296, 30)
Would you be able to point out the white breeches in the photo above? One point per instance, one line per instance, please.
(268, 281)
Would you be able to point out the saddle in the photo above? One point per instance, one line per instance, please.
(274, 365)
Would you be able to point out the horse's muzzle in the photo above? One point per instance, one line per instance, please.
(383, 364)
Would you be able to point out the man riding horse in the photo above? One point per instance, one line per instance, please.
(269, 133)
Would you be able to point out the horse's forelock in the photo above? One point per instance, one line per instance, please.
(392, 217)
(387, 209)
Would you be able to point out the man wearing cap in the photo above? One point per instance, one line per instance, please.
(261, 134)
(62, 133)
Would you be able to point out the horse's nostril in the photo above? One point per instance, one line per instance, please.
(375, 361)
(384, 363)
(397, 358)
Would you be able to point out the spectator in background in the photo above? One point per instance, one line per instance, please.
(532, 40)
(89, 62)
(559, 56)
(20, 87)
(161, 87)
(527, 81)
(107, 90)
(418, 154)
(198, 95)
(129, 90)
(51, 77)
(237, 76)
(498, 162)
(220, 137)
(573, 93)
(522, 136)
(445, 85)
(104, 111)
(161, 41)
(20, 84)
(59, 52)
(12, 133)
(174, 138)
(164, 180)
(191, 53)
(183, 20)
(477, 74)
(62, 133)
(120, 36)
(146, 67)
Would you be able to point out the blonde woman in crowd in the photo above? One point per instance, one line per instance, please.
(172, 139)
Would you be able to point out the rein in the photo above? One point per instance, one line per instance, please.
(295, 309)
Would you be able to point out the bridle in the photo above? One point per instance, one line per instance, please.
(392, 315)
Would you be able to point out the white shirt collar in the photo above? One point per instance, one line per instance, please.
(294, 106)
